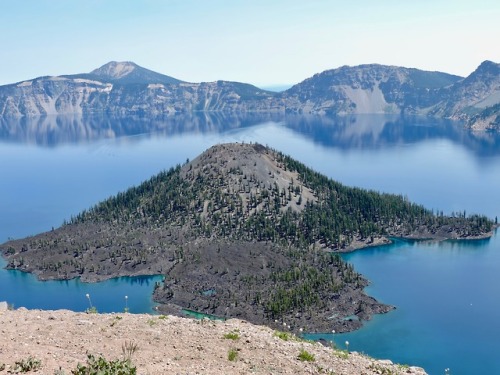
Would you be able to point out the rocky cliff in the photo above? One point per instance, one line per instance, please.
(124, 88)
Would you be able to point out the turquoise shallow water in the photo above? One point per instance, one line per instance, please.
(442, 319)
(21, 289)
(447, 294)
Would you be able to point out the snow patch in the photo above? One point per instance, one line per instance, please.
(25, 83)
(88, 81)
(56, 78)
(154, 86)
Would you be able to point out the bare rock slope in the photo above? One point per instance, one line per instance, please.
(169, 345)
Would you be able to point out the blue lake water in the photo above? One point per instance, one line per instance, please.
(447, 294)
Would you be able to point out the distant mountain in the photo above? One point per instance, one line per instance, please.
(129, 73)
(475, 99)
(124, 88)
(368, 89)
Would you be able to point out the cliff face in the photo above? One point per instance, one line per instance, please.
(70, 95)
(475, 99)
(124, 88)
(368, 89)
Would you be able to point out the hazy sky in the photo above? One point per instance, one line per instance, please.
(263, 42)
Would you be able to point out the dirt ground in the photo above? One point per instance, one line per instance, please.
(168, 345)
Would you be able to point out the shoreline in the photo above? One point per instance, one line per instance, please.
(356, 245)
(314, 323)
(386, 240)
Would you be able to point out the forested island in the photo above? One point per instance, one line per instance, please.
(241, 231)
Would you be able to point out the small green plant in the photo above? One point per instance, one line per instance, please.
(26, 365)
(232, 335)
(305, 356)
(101, 365)
(285, 336)
(379, 369)
(128, 349)
(162, 317)
(344, 354)
(232, 355)
(92, 309)
(151, 322)
(126, 310)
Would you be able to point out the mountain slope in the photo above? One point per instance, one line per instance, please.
(475, 98)
(124, 88)
(241, 231)
(165, 345)
(368, 89)
(130, 73)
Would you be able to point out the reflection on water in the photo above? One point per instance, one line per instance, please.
(52, 131)
(343, 132)
(447, 294)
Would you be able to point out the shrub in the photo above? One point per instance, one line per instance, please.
(232, 336)
(285, 336)
(128, 350)
(102, 366)
(305, 356)
(26, 365)
(232, 355)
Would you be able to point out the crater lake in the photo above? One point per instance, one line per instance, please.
(447, 294)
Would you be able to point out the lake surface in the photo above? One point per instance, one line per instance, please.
(447, 294)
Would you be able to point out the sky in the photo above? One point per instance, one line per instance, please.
(263, 42)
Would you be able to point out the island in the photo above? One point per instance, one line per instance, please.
(242, 231)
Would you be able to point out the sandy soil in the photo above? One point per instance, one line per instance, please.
(168, 345)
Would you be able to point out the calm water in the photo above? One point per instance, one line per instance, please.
(446, 294)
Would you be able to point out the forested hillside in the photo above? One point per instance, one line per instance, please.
(242, 230)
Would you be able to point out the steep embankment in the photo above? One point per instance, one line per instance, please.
(169, 345)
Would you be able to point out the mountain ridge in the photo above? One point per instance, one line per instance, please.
(122, 88)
